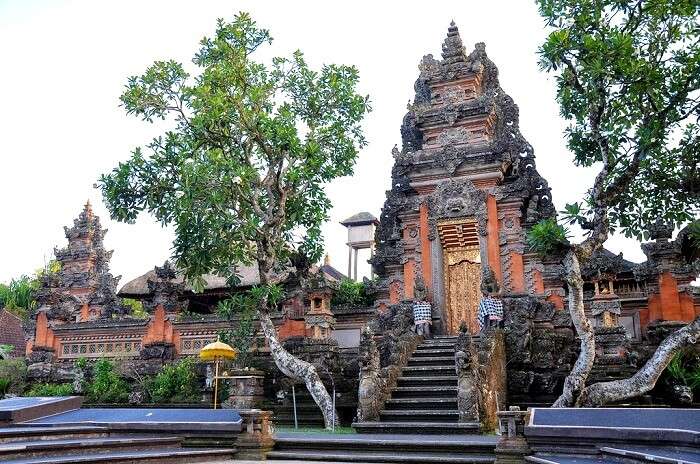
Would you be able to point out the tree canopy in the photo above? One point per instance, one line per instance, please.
(628, 74)
(241, 175)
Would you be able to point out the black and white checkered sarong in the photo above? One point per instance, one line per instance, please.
(489, 308)
(421, 312)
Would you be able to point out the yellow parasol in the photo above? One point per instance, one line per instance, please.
(216, 351)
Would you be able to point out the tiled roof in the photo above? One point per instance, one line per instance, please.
(11, 333)
(360, 219)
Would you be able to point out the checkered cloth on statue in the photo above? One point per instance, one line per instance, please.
(490, 308)
(422, 312)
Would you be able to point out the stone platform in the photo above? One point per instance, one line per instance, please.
(67, 434)
(21, 409)
(614, 436)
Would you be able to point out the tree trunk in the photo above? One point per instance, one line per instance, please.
(644, 380)
(300, 370)
(576, 380)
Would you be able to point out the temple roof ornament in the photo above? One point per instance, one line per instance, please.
(84, 277)
(452, 47)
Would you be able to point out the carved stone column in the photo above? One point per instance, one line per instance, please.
(246, 390)
(256, 438)
(512, 446)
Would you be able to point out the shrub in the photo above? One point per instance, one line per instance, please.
(15, 371)
(351, 294)
(136, 309)
(4, 386)
(50, 389)
(106, 385)
(547, 237)
(175, 383)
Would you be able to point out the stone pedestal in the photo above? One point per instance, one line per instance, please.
(246, 389)
(256, 437)
(512, 447)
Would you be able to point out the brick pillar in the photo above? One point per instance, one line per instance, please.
(426, 262)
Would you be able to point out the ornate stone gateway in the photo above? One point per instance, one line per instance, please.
(462, 273)
(465, 189)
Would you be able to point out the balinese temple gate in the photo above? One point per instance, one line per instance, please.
(464, 189)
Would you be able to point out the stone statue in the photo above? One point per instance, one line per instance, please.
(466, 366)
(370, 396)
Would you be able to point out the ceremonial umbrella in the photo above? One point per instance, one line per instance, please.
(217, 351)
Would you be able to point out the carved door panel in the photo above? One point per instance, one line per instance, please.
(462, 288)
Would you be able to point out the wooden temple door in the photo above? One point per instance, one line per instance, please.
(462, 274)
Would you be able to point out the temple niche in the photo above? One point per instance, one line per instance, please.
(464, 189)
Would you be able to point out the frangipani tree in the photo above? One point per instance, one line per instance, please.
(628, 74)
(241, 175)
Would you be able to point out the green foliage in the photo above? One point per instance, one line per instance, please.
(14, 370)
(547, 237)
(694, 234)
(685, 369)
(5, 351)
(106, 385)
(4, 386)
(241, 174)
(175, 383)
(241, 307)
(50, 389)
(19, 296)
(628, 75)
(137, 310)
(351, 294)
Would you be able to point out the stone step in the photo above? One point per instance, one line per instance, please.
(464, 444)
(30, 433)
(446, 380)
(422, 391)
(380, 457)
(421, 403)
(434, 352)
(27, 449)
(651, 454)
(419, 415)
(427, 371)
(439, 428)
(164, 456)
(431, 361)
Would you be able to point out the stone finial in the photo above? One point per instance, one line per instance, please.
(660, 230)
(452, 47)
(327, 260)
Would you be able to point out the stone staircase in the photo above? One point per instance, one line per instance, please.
(384, 448)
(425, 398)
(27, 444)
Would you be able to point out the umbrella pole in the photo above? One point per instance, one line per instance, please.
(216, 381)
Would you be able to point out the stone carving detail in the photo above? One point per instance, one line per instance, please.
(371, 383)
(83, 278)
(456, 199)
(397, 343)
(166, 290)
(466, 365)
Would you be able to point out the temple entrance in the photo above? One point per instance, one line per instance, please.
(462, 274)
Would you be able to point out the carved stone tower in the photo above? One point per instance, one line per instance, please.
(464, 190)
(83, 289)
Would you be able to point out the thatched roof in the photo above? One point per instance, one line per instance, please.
(249, 276)
(139, 286)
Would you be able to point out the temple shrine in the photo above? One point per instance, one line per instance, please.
(465, 190)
